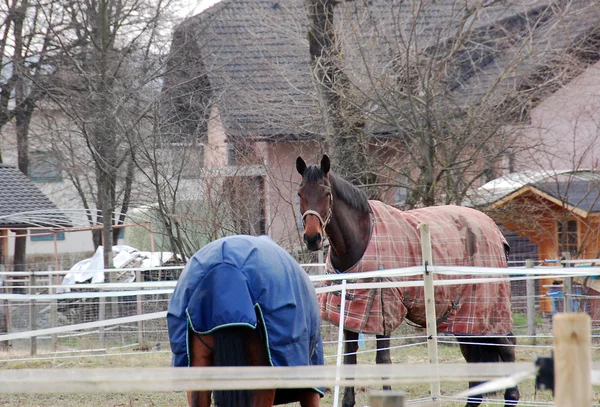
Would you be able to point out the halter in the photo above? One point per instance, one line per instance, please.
(323, 223)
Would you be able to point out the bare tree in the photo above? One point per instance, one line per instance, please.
(27, 52)
(108, 83)
(435, 87)
(562, 176)
(203, 188)
(345, 126)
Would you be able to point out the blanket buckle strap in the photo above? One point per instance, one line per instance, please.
(204, 343)
(449, 311)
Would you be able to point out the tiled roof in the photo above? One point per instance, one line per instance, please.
(257, 60)
(581, 194)
(256, 52)
(18, 194)
(541, 48)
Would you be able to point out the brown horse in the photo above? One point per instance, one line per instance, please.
(244, 301)
(237, 346)
(369, 235)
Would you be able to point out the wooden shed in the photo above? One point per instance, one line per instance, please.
(559, 211)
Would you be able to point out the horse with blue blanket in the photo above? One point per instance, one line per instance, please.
(244, 301)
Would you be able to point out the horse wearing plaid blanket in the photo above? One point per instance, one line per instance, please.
(370, 235)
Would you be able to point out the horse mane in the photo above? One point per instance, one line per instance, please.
(344, 190)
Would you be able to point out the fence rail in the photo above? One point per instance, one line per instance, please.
(138, 299)
(116, 380)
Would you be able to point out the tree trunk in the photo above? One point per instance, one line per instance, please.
(348, 143)
(23, 113)
(126, 197)
(107, 223)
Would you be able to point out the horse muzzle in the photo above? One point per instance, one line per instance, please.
(313, 242)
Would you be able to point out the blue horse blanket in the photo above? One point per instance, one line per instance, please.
(247, 281)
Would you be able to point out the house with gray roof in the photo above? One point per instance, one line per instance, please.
(24, 207)
(241, 80)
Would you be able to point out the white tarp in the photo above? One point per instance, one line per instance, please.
(92, 269)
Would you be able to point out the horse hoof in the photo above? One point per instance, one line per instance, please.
(511, 397)
(474, 403)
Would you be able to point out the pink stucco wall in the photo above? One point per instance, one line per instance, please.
(279, 171)
(565, 128)
(215, 151)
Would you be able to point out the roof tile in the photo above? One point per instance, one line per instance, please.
(19, 194)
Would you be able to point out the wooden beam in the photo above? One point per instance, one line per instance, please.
(149, 380)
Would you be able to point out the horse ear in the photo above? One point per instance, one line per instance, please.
(300, 165)
(325, 164)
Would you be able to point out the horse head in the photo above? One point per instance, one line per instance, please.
(316, 201)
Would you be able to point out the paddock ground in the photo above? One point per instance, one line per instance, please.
(449, 353)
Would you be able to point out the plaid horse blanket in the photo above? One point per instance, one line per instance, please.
(459, 237)
(248, 281)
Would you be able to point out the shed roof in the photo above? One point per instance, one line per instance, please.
(578, 189)
(22, 204)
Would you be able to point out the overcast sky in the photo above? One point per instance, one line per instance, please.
(196, 6)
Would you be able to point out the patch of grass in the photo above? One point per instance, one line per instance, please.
(520, 320)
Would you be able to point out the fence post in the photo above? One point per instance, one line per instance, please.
(568, 285)
(387, 398)
(4, 307)
(432, 345)
(32, 314)
(101, 317)
(530, 293)
(53, 280)
(340, 350)
(140, 324)
(572, 359)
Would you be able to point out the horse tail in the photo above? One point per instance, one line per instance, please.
(506, 250)
(231, 350)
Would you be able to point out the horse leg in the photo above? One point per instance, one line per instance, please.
(263, 398)
(508, 354)
(474, 351)
(350, 348)
(309, 398)
(383, 353)
(201, 355)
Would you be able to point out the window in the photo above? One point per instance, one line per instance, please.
(183, 162)
(248, 215)
(401, 190)
(567, 237)
(241, 152)
(44, 167)
(39, 235)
